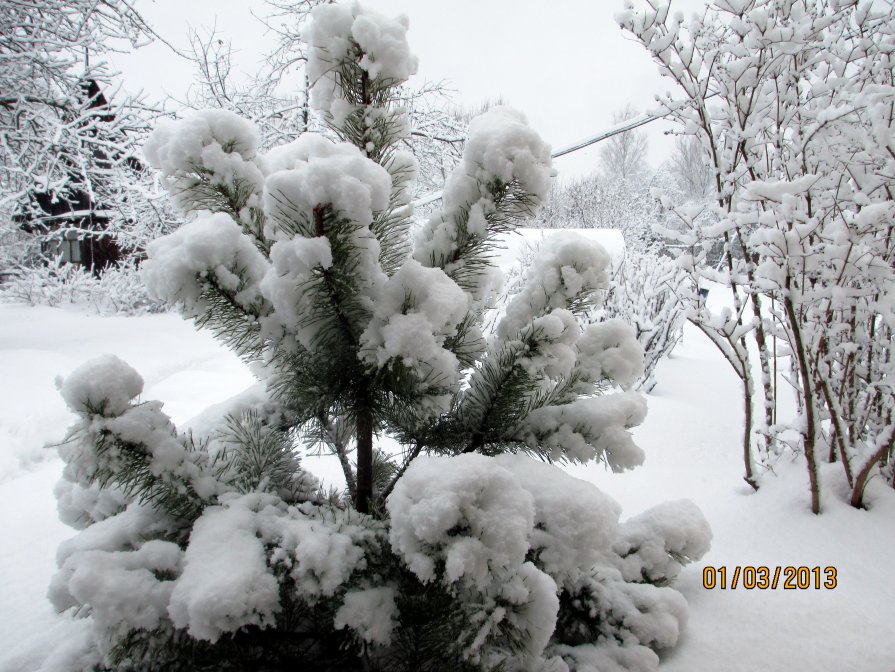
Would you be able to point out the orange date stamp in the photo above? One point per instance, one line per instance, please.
(769, 578)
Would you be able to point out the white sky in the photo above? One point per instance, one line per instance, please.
(564, 63)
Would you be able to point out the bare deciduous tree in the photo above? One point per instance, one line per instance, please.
(799, 134)
(623, 156)
(691, 167)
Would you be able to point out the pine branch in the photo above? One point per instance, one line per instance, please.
(119, 460)
(201, 191)
(470, 255)
(337, 443)
(259, 457)
(234, 324)
(495, 397)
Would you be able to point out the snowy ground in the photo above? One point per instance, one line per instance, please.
(691, 439)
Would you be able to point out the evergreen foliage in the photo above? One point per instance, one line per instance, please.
(456, 552)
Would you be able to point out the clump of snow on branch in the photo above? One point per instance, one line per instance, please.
(610, 350)
(655, 545)
(225, 583)
(502, 147)
(102, 578)
(80, 507)
(417, 310)
(320, 556)
(324, 172)
(591, 428)
(466, 512)
(574, 522)
(107, 566)
(216, 146)
(504, 158)
(568, 271)
(104, 386)
(293, 262)
(371, 613)
(211, 246)
(333, 36)
(116, 440)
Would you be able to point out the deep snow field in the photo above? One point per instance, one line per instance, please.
(691, 439)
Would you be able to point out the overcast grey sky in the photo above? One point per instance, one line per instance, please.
(564, 63)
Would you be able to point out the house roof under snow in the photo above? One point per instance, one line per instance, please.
(514, 246)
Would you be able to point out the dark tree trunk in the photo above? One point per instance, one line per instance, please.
(364, 496)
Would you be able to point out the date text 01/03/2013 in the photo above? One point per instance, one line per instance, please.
(764, 578)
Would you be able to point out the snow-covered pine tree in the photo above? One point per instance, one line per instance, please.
(216, 550)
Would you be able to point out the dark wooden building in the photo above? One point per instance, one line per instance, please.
(70, 222)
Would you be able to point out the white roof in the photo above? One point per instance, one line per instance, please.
(516, 243)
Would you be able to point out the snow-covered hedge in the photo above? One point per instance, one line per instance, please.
(119, 290)
(648, 293)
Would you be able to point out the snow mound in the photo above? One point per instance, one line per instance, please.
(104, 385)
(466, 512)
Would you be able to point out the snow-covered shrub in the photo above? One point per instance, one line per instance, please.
(461, 552)
(791, 105)
(52, 284)
(602, 201)
(647, 292)
(118, 290)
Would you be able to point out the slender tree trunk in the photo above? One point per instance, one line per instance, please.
(740, 366)
(764, 358)
(747, 433)
(885, 446)
(745, 362)
(366, 101)
(411, 456)
(306, 105)
(839, 436)
(761, 340)
(809, 435)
